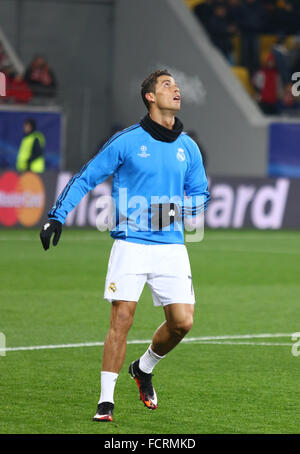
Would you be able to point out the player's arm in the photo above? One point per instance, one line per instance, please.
(97, 170)
(195, 186)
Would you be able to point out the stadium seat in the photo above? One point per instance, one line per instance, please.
(236, 41)
(243, 75)
(192, 3)
(266, 43)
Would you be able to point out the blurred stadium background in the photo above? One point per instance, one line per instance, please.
(94, 91)
(95, 53)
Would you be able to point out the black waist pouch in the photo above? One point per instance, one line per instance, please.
(164, 214)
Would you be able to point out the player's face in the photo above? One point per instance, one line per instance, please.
(167, 94)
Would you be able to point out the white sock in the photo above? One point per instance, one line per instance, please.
(149, 360)
(108, 383)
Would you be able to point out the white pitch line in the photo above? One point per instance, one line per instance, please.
(57, 346)
(254, 251)
(203, 340)
(268, 344)
(257, 235)
(239, 336)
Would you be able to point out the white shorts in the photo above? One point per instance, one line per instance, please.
(164, 267)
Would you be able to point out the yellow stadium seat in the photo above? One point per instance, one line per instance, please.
(243, 75)
(289, 42)
(192, 3)
(236, 41)
(266, 43)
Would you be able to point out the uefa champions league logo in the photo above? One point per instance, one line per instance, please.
(144, 153)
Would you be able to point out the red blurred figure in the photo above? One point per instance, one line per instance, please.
(267, 83)
(18, 90)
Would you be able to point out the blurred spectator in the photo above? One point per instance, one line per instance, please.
(268, 86)
(251, 21)
(282, 59)
(271, 17)
(288, 18)
(221, 30)
(17, 89)
(40, 78)
(204, 12)
(31, 151)
(274, 16)
(234, 11)
(295, 55)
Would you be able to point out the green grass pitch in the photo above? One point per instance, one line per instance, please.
(246, 283)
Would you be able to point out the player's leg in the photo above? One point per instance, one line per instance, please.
(179, 321)
(124, 283)
(121, 319)
(171, 287)
(114, 351)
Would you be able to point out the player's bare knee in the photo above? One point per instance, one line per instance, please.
(122, 319)
(181, 328)
(189, 324)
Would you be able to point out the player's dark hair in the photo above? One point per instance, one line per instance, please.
(149, 83)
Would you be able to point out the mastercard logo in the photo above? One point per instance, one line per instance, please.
(22, 199)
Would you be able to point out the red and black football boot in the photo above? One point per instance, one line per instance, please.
(143, 380)
(104, 412)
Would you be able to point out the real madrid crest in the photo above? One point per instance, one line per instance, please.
(112, 287)
(180, 154)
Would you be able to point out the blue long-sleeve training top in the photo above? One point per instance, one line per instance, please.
(150, 179)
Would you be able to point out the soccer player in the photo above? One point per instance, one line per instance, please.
(157, 168)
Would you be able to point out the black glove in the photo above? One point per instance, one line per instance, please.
(51, 226)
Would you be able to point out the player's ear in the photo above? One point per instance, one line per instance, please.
(150, 97)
